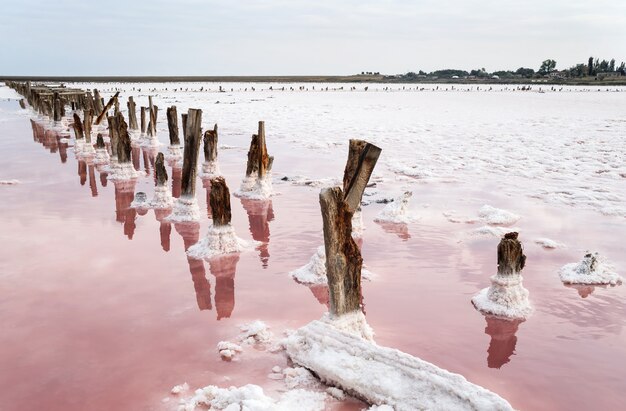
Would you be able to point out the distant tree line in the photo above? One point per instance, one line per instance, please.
(593, 67)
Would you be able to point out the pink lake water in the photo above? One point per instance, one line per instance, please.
(100, 308)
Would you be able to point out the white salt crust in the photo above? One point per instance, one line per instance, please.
(9, 182)
(506, 298)
(341, 352)
(357, 224)
(255, 188)
(549, 244)
(174, 154)
(162, 198)
(397, 212)
(101, 157)
(218, 241)
(184, 210)
(122, 172)
(590, 270)
(314, 272)
(497, 216)
(210, 169)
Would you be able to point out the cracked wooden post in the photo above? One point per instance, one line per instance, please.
(88, 120)
(160, 171)
(123, 144)
(97, 101)
(172, 125)
(107, 108)
(22, 104)
(219, 198)
(193, 138)
(113, 136)
(116, 104)
(343, 257)
(259, 162)
(78, 128)
(143, 120)
(57, 109)
(100, 141)
(132, 113)
(184, 118)
(210, 145)
(511, 258)
(152, 112)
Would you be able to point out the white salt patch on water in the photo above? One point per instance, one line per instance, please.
(547, 243)
(256, 332)
(312, 182)
(254, 188)
(493, 231)
(497, 216)
(162, 198)
(453, 217)
(252, 398)
(184, 210)
(337, 352)
(123, 172)
(228, 350)
(383, 407)
(299, 377)
(397, 212)
(506, 297)
(180, 388)
(336, 393)
(314, 272)
(592, 269)
(219, 240)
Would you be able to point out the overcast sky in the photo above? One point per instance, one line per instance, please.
(272, 37)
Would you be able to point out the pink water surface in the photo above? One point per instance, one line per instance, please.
(101, 309)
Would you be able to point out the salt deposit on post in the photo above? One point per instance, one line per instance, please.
(173, 150)
(221, 237)
(507, 296)
(123, 170)
(590, 270)
(257, 185)
(162, 196)
(186, 206)
(210, 167)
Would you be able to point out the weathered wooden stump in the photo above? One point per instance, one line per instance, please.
(113, 135)
(88, 121)
(343, 257)
(132, 113)
(210, 145)
(172, 125)
(259, 162)
(219, 199)
(57, 107)
(511, 258)
(123, 144)
(22, 104)
(143, 120)
(193, 138)
(78, 128)
(100, 141)
(97, 101)
(107, 108)
(160, 171)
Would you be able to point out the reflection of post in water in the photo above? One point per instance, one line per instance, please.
(92, 181)
(206, 184)
(399, 229)
(82, 172)
(104, 178)
(124, 194)
(260, 213)
(583, 290)
(224, 269)
(135, 151)
(164, 229)
(62, 149)
(503, 340)
(177, 178)
(190, 232)
(149, 156)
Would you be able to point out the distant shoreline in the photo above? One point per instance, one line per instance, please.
(318, 79)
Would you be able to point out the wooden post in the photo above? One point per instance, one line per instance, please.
(123, 144)
(22, 104)
(184, 118)
(343, 257)
(57, 110)
(172, 125)
(210, 145)
(160, 171)
(97, 100)
(117, 106)
(259, 162)
(107, 108)
(113, 135)
(132, 114)
(88, 119)
(219, 199)
(511, 258)
(190, 157)
(78, 128)
(143, 120)
(100, 141)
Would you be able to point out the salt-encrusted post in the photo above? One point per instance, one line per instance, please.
(259, 162)
(143, 120)
(97, 101)
(219, 199)
(107, 108)
(58, 109)
(343, 257)
(123, 144)
(190, 157)
(160, 171)
(114, 137)
(172, 125)
(132, 114)
(88, 116)
(507, 296)
(210, 145)
(78, 128)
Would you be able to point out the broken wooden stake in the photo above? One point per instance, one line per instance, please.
(219, 199)
(259, 163)
(88, 120)
(123, 144)
(210, 145)
(160, 171)
(343, 257)
(78, 128)
(511, 258)
(132, 114)
(172, 125)
(113, 136)
(193, 139)
(107, 108)
(143, 120)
